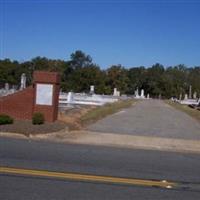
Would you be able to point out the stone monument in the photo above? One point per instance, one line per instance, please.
(186, 97)
(137, 93)
(70, 97)
(142, 94)
(180, 97)
(194, 95)
(190, 92)
(23, 81)
(6, 87)
(91, 89)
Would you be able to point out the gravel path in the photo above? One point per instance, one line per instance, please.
(150, 118)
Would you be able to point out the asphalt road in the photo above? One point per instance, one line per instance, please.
(115, 162)
(150, 118)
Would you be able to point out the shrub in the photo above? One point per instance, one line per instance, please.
(38, 118)
(5, 119)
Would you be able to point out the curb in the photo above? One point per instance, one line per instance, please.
(114, 140)
(136, 142)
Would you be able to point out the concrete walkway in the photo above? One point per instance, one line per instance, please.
(152, 118)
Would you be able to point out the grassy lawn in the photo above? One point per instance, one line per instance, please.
(192, 112)
(103, 111)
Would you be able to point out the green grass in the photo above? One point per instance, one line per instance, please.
(101, 112)
(192, 112)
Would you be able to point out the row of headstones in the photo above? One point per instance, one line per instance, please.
(141, 94)
(7, 90)
(115, 92)
(190, 96)
(194, 96)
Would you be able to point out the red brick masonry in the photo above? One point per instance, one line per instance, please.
(21, 105)
(18, 105)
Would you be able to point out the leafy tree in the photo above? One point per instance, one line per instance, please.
(194, 79)
(8, 71)
(177, 76)
(78, 73)
(155, 82)
(79, 60)
(137, 79)
(82, 78)
(118, 78)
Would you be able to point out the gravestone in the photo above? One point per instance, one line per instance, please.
(186, 97)
(190, 92)
(6, 87)
(194, 95)
(142, 94)
(70, 97)
(23, 81)
(136, 93)
(92, 89)
(115, 92)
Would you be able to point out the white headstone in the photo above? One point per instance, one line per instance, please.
(23, 81)
(70, 97)
(148, 96)
(186, 97)
(6, 86)
(91, 89)
(190, 92)
(136, 93)
(194, 95)
(115, 92)
(142, 93)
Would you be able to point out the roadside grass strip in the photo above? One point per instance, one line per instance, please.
(184, 108)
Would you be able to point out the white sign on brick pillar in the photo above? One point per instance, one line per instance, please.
(44, 94)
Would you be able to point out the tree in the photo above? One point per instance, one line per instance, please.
(194, 79)
(78, 73)
(155, 82)
(8, 71)
(118, 78)
(79, 60)
(137, 79)
(177, 77)
(82, 78)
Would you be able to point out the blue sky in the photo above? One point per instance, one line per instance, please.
(130, 33)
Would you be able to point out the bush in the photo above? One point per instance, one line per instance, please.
(5, 119)
(38, 118)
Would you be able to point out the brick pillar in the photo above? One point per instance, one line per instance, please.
(46, 94)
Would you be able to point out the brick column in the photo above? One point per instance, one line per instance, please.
(46, 94)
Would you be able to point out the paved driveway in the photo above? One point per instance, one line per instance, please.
(150, 118)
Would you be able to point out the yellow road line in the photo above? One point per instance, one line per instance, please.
(84, 177)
